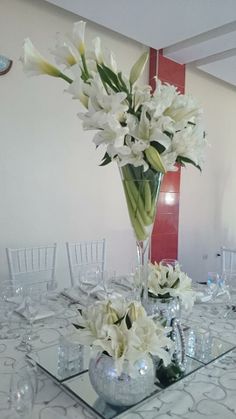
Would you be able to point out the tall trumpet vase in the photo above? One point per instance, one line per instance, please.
(141, 191)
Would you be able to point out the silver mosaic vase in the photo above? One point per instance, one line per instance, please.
(125, 389)
(166, 308)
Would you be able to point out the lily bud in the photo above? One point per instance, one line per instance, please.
(154, 159)
(111, 314)
(135, 311)
(98, 50)
(84, 100)
(138, 68)
(35, 64)
(78, 36)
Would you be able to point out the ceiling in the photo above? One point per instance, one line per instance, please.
(197, 32)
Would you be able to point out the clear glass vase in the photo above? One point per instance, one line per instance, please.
(141, 192)
(167, 310)
(125, 389)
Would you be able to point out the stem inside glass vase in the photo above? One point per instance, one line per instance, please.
(141, 191)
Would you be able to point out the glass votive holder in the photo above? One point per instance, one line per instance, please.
(199, 344)
(213, 283)
(169, 262)
(70, 357)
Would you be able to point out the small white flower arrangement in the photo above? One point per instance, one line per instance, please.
(135, 126)
(168, 281)
(124, 331)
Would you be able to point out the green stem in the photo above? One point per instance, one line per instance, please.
(135, 214)
(148, 197)
(136, 196)
(137, 203)
(153, 208)
(135, 220)
(85, 66)
(64, 77)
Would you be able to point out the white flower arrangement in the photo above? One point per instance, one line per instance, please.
(124, 331)
(150, 130)
(168, 281)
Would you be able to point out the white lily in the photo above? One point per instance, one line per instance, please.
(95, 120)
(34, 63)
(166, 280)
(109, 60)
(119, 305)
(161, 279)
(124, 331)
(190, 143)
(184, 108)
(169, 160)
(76, 90)
(151, 339)
(92, 89)
(185, 292)
(78, 36)
(65, 52)
(140, 96)
(115, 343)
(165, 124)
(98, 50)
(113, 103)
(135, 310)
(147, 130)
(143, 127)
(91, 326)
(99, 99)
(112, 134)
(162, 99)
(133, 153)
(166, 117)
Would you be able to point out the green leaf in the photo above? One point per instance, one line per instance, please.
(122, 83)
(118, 322)
(176, 283)
(77, 326)
(128, 322)
(112, 76)
(168, 375)
(182, 160)
(105, 78)
(169, 134)
(159, 147)
(105, 160)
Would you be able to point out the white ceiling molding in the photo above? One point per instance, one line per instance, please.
(223, 69)
(201, 32)
(199, 47)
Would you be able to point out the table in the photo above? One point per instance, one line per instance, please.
(210, 392)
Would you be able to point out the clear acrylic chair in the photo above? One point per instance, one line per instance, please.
(228, 275)
(33, 265)
(228, 260)
(85, 256)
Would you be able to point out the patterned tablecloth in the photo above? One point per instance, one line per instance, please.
(210, 392)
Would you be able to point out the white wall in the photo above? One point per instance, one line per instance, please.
(51, 186)
(208, 199)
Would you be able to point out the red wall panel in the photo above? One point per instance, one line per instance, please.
(164, 242)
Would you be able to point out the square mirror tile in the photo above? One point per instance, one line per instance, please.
(80, 387)
(63, 360)
(202, 346)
